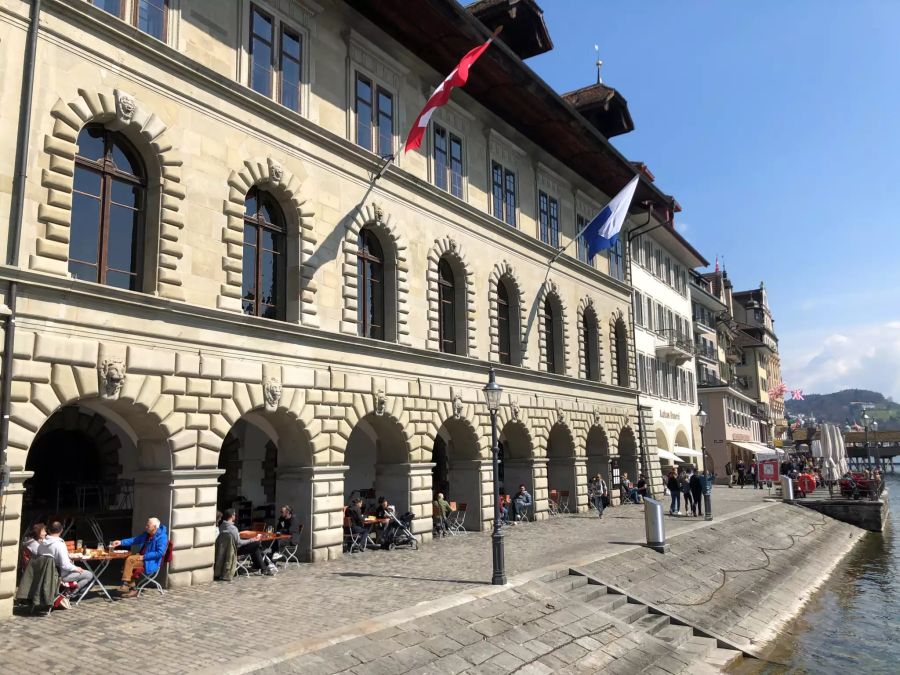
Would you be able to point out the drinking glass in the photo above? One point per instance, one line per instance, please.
(79, 546)
(100, 547)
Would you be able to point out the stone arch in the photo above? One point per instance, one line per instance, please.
(586, 310)
(383, 413)
(563, 469)
(597, 451)
(287, 188)
(458, 414)
(374, 217)
(503, 271)
(449, 249)
(122, 112)
(550, 290)
(620, 351)
(627, 451)
(682, 438)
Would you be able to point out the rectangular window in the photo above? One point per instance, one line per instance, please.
(668, 274)
(503, 183)
(616, 261)
(548, 209)
(658, 264)
(150, 17)
(648, 253)
(638, 308)
(649, 314)
(385, 123)
(114, 7)
(291, 55)
(374, 117)
(581, 245)
(447, 161)
(660, 318)
(261, 39)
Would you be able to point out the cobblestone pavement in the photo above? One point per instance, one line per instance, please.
(201, 626)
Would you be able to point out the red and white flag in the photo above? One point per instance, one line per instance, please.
(441, 95)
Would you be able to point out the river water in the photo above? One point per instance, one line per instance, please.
(852, 625)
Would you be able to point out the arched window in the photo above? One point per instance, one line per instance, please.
(553, 337)
(621, 347)
(589, 338)
(108, 207)
(263, 288)
(370, 284)
(504, 325)
(447, 307)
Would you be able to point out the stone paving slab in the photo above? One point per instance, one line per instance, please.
(194, 623)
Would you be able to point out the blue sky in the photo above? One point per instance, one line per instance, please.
(776, 126)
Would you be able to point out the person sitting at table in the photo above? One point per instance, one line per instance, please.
(53, 545)
(630, 491)
(249, 546)
(642, 485)
(153, 542)
(442, 512)
(357, 520)
(284, 525)
(521, 502)
(32, 542)
(384, 508)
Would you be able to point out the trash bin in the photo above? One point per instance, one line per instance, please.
(787, 489)
(654, 525)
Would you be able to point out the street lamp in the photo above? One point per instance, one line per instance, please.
(702, 417)
(492, 393)
(876, 460)
(867, 421)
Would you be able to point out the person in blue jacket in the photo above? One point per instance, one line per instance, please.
(154, 541)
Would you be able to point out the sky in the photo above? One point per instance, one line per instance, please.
(775, 124)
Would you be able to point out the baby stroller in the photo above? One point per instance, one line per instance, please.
(398, 532)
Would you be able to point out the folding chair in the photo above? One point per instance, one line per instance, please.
(459, 520)
(553, 503)
(563, 503)
(354, 542)
(289, 549)
(149, 580)
(243, 565)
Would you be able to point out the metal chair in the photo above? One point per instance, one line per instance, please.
(553, 503)
(563, 503)
(149, 580)
(459, 519)
(354, 542)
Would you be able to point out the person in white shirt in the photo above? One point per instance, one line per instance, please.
(54, 546)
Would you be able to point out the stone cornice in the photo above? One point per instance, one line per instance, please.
(129, 38)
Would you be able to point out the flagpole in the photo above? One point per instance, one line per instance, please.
(562, 249)
(388, 160)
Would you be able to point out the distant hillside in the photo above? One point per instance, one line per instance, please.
(839, 409)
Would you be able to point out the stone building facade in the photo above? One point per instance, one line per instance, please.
(160, 375)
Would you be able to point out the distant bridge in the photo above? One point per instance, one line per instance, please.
(883, 445)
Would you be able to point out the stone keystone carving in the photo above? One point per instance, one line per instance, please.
(276, 172)
(457, 406)
(127, 107)
(598, 418)
(380, 402)
(560, 416)
(514, 408)
(272, 393)
(112, 377)
(379, 213)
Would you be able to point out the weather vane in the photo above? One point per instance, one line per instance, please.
(599, 63)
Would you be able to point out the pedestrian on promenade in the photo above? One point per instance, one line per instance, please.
(674, 491)
(54, 546)
(684, 486)
(696, 484)
(741, 472)
(441, 513)
(599, 493)
(153, 542)
(754, 474)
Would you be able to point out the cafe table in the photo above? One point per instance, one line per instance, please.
(96, 562)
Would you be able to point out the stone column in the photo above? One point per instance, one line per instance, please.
(579, 503)
(317, 495)
(472, 483)
(185, 501)
(408, 488)
(10, 527)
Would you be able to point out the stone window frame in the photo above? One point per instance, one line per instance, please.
(128, 15)
(393, 243)
(511, 158)
(614, 369)
(505, 271)
(301, 21)
(587, 304)
(465, 317)
(456, 121)
(268, 174)
(551, 288)
(164, 217)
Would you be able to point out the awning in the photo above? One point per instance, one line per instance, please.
(758, 448)
(690, 452)
(671, 456)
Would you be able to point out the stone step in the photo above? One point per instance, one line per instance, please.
(723, 658)
(697, 648)
(567, 583)
(630, 612)
(609, 603)
(652, 623)
(676, 635)
(587, 594)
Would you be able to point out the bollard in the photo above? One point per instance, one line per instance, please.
(787, 489)
(654, 525)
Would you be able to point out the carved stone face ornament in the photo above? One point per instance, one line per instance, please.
(112, 377)
(380, 403)
(598, 419)
(457, 406)
(127, 106)
(560, 416)
(272, 393)
(514, 409)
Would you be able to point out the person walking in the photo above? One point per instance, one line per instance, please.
(684, 485)
(674, 491)
(599, 493)
(741, 472)
(696, 486)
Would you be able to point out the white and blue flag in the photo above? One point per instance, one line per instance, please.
(603, 231)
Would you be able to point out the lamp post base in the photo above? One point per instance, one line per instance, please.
(499, 577)
(707, 505)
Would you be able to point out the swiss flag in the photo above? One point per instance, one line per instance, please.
(441, 95)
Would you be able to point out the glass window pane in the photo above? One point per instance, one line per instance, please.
(271, 241)
(290, 84)
(151, 17)
(249, 234)
(268, 291)
(90, 143)
(121, 246)
(497, 180)
(250, 204)
(114, 7)
(125, 161)
(363, 113)
(290, 44)
(84, 234)
(456, 167)
(121, 280)
(83, 271)
(124, 193)
(440, 157)
(248, 281)
(261, 68)
(262, 25)
(385, 123)
(87, 181)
